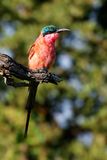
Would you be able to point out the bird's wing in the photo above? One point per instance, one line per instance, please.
(31, 51)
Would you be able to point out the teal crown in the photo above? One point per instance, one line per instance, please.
(49, 29)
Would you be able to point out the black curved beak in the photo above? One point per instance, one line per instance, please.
(63, 30)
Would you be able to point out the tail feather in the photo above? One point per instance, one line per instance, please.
(30, 103)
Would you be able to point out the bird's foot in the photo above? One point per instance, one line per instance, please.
(41, 70)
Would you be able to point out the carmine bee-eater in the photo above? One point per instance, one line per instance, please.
(41, 55)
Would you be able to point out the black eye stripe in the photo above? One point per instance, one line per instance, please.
(49, 32)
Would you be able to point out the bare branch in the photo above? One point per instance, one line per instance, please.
(9, 69)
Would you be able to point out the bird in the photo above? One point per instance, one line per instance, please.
(41, 55)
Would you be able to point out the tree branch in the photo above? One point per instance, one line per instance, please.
(9, 69)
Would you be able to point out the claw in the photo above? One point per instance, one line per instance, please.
(43, 70)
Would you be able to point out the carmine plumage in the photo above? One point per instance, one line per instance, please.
(41, 55)
(42, 52)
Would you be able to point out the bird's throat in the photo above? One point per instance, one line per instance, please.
(51, 38)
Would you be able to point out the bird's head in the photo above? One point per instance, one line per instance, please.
(51, 32)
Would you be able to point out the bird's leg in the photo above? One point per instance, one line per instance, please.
(10, 81)
(43, 70)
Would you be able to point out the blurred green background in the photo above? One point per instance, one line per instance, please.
(69, 121)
